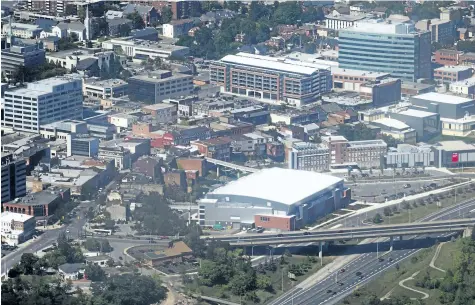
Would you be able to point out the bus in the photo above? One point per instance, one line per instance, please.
(102, 232)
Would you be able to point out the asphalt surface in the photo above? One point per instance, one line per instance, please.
(328, 291)
(47, 238)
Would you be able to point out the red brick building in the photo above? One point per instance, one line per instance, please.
(448, 57)
(216, 148)
(283, 223)
(175, 178)
(195, 164)
(39, 204)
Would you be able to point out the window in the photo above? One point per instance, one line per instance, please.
(265, 218)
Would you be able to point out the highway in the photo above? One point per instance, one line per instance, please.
(327, 291)
(347, 233)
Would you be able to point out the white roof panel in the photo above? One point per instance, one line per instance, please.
(266, 62)
(287, 186)
(443, 98)
(393, 123)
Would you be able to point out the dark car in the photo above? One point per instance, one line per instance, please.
(306, 233)
(381, 259)
(280, 235)
(358, 273)
(329, 291)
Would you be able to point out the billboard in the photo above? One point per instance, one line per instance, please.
(455, 157)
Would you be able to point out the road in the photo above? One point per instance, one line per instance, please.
(47, 238)
(327, 291)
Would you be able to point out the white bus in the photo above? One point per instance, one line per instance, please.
(102, 232)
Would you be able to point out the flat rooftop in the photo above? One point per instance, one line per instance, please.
(10, 216)
(158, 106)
(392, 123)
(358, 73)
(286, 186)
(454, 145)
(378, 26)
(273, 63)
(466, 82)
(443, 98)
(453, 68)
(114, 82)
(417, 113)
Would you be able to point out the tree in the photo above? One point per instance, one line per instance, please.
(93, 244)
(263, 282)
(39, 290)
(377, 218)
(166, 15)
(137, 21)
(94, 273)
(128, 289)
(27, 263)
(124, 30)
(109, 224)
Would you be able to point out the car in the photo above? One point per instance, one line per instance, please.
(306, 233)
(280, 235)
(390, 259)
(67, 231)
(358, 273)
(329, 291)
(433, 185)
(406, 186)
(334, 293)
(342, 270)
(341, 283)
(381, 259)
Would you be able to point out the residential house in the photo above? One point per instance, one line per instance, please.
(71, 271)
(149, 14)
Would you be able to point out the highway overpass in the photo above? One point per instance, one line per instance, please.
(232, 165)
(391, 231)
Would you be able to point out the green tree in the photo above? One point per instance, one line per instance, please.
(127, 289)
(94, 273)
(137, 21)
(93, 244)
(263, 282)
(166, 15)
(377, 218)
(27, 263)
(124, 30)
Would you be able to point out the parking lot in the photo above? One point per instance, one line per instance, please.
(382, 191)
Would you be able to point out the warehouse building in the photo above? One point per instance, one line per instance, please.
(275, 198)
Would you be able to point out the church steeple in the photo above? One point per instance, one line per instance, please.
(87, 24)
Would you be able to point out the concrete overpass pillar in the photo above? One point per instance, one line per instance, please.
(467, 232)
(391, 243)
(217, 171)
(400, 237)
(320, 252)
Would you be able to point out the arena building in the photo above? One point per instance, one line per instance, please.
(275, 198)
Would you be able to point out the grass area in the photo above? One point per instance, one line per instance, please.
(222, 291)
(389, 280)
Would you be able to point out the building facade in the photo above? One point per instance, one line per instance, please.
(158, 86)
(82, 146)
(381, 47)
(309, 157)
(268, 78)
(162, 113)
(13, 178)
(215, 148)
(105, 89)
(177, 28)
(16, 228)
(43, 102)
(452, 74)
(21, 55)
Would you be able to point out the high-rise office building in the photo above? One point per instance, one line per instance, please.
(395, 48)
(43, 102)
(13, 178)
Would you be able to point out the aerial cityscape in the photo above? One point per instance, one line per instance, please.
(237, 152)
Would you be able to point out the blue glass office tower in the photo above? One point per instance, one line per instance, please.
(384, 47)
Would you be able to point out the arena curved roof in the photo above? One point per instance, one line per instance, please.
(287, 186)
